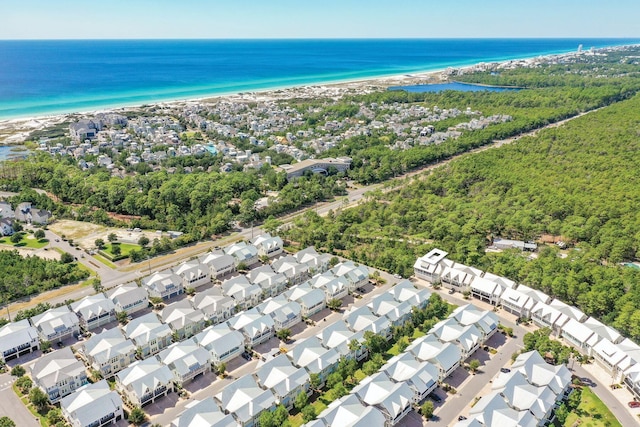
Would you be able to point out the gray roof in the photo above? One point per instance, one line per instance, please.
(144, 376)
(54, 367)
(204, 413)
(17, 333)
(91, 402)
(108, 344)
(182, 356)
(279, 375)
(245, 398)
(127, 294)
(144, 328)
(55, 319)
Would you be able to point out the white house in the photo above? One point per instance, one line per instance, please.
(579, 336)
(446, 357)
(94, 311)
(568, 310)
(246, 400)
(357, 275)
(421, 377)
(336, 288)
(546, 316)
(58, 374)
(540, 373)
(283, 379)
(148, 334)
(338, 336)
(385, 304)
(144, 381)
(317, 263)
(270, 282)
(603, 331)
(244, 293)
(193, 274)
(108, 352)
(486, 290)
(129, 298)
(406, 291)
(186, 359)
(292, 269)
(362, 319)
(392, 399)
(516, 302)
(468, 338)
(348, 411)
(459, 276)
(256, 327)
(204, 413)
(314, 357)
(243, 253)
(311, 300)
(215, 306)
(285, 314)
(610, 357)
(94, 405)
(268, 246)
(486, 321)
(430, 266)
(56, 324)
(165, 284)
(219, 264)
(222, 342)
(183, 319)
(17, 339)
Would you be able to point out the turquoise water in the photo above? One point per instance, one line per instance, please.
(461, 87)
(7, 152)
(47, 77)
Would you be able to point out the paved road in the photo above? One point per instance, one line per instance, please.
(11, 406)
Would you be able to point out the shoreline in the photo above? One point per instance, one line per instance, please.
(15, 130)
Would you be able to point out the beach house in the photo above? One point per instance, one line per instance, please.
(144, 381)
(94, 311)
(17, 339)
(129, 298)
(94, 405)
(58, 374)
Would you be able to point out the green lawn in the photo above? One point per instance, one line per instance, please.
(27, 241)
(105, 261)
(125, 248)
(591, 412)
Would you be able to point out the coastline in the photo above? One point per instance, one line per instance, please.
(14, 130)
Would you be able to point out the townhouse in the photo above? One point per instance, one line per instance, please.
(219, 264)
(285, 314)
(392, 399)
(292, 269)
(186, 359)
(283, 379)
(362, 319)
(193, 274)
(246, 400)
(256, 327)
(314, 357)
(204, 413)
(421, 377)
(144, 381)
(311, 300)
(446, 357)
(165, 284)
(348, 411)
(216, 307)
(268, 246)
(317, 263)
(244, 293)
(94, 311)
(56, 324)
(467, 338)
(243, 253)
(129, 298)
(149, 334)
(93, 405)
(270, 282)
(184, 320)
(58, 374)
(108, 352)
(222, 342)
(357, 275)
(17, 339)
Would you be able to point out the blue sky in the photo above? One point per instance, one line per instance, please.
(82, 19)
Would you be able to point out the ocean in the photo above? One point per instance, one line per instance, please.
(62, 76)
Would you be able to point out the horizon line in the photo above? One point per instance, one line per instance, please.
(327, 38)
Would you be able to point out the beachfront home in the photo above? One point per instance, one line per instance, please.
(243, 253)
(184, 320)
(603, 331)
(311, 300)
(285, 314)
(335, 288)
(144, 381)
(406, 291)
(386, 305)
(430, 266)
(292, 269)
(467, 338)
(244, 293)
(446, 356)
(222, 342)
(256, 327)
(540, 373)
(421, 377)
(129, 298)
(515, 302)
(392, 399)
(283, 379)
(108, 352)
(493, 410)
(246, 400)
(458, 276)
(545, 316)
(270, 282)
(568, 310)
(579, 336)
(314, 357)
(58, 374)
(219, 264)
(338, 336)
(193, 274)
(486, 321)
(94, 311)
(149, 334)
(94, 405)
(610, 357)
(486, 290)
(216, 307)
(268, 246)
(522, 395)
(186, 359)
(164, 284)
(56, 324)
(17, 339)
(362, 319)
(317, 263)
(356, 275)
(348, 411)
(204, 413)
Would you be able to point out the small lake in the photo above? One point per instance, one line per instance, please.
(462, 87)
(13, 151)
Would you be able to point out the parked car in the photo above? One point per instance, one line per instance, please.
(505, 370)
(397, 276)
(462, 418)
(435, 397)
(246, 356)
(634, 404)
(452, 291)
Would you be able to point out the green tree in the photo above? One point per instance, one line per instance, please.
(122, 317)
(24, 384)
(54, 416)
(221, 368)
(66, 258)
(301, 400)
(242, 266)
(137, 417)
(112, 237)
(474, 364)
(308, 413)
(266, 419)
(97, 285)
(284, 334)
(314, 381)
(334, 304)
(143, 241)
(7, 422)
(333, 379)
(99, 243)
(39, 234)
(280, 415)
(15, 238)
(116, 250)
(427, 409)
(45, 346)
(18, 371)
(561, 414)
(38, 398)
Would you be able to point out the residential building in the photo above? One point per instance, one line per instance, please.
(108, 352)
(204, 413)
(243, 253)
(285, 314)
(26, 213)
(149, 334)
(292, 269)
(522, 396)
(311, 300)
(314, 357)
(283, 379)
(219, 264)
(486, 290)
(610, 357)
(6, 227)
(216, 307)
(392, 399)
(493, 410)
(256, 327)
(58, 374)
(6, 211)
(17, 339)
(467, 338)
(270, 282)
(568, 310)
(579, 336)
(546, 316)
(56, 324)
(186, 359)
(184, 320)
(540, 373)
(165, 284)
(458, 276)
(222, 342)
(385, 304)
(338, 336)
(94, 311)
(429, 267)
(244, 293)
(193, 274)
(603, 331)
(144, 381)
(268, 246)
(356, 275)
(406, 291)
(362, 319)
(246, 400)
(421, 377)
(93, 405)
(348, 411)
(317, 263)
(500, 243)
(516, 302)
(129, 298)
(446, 356)
(322, 166)
(486, 321)
(336, 288)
